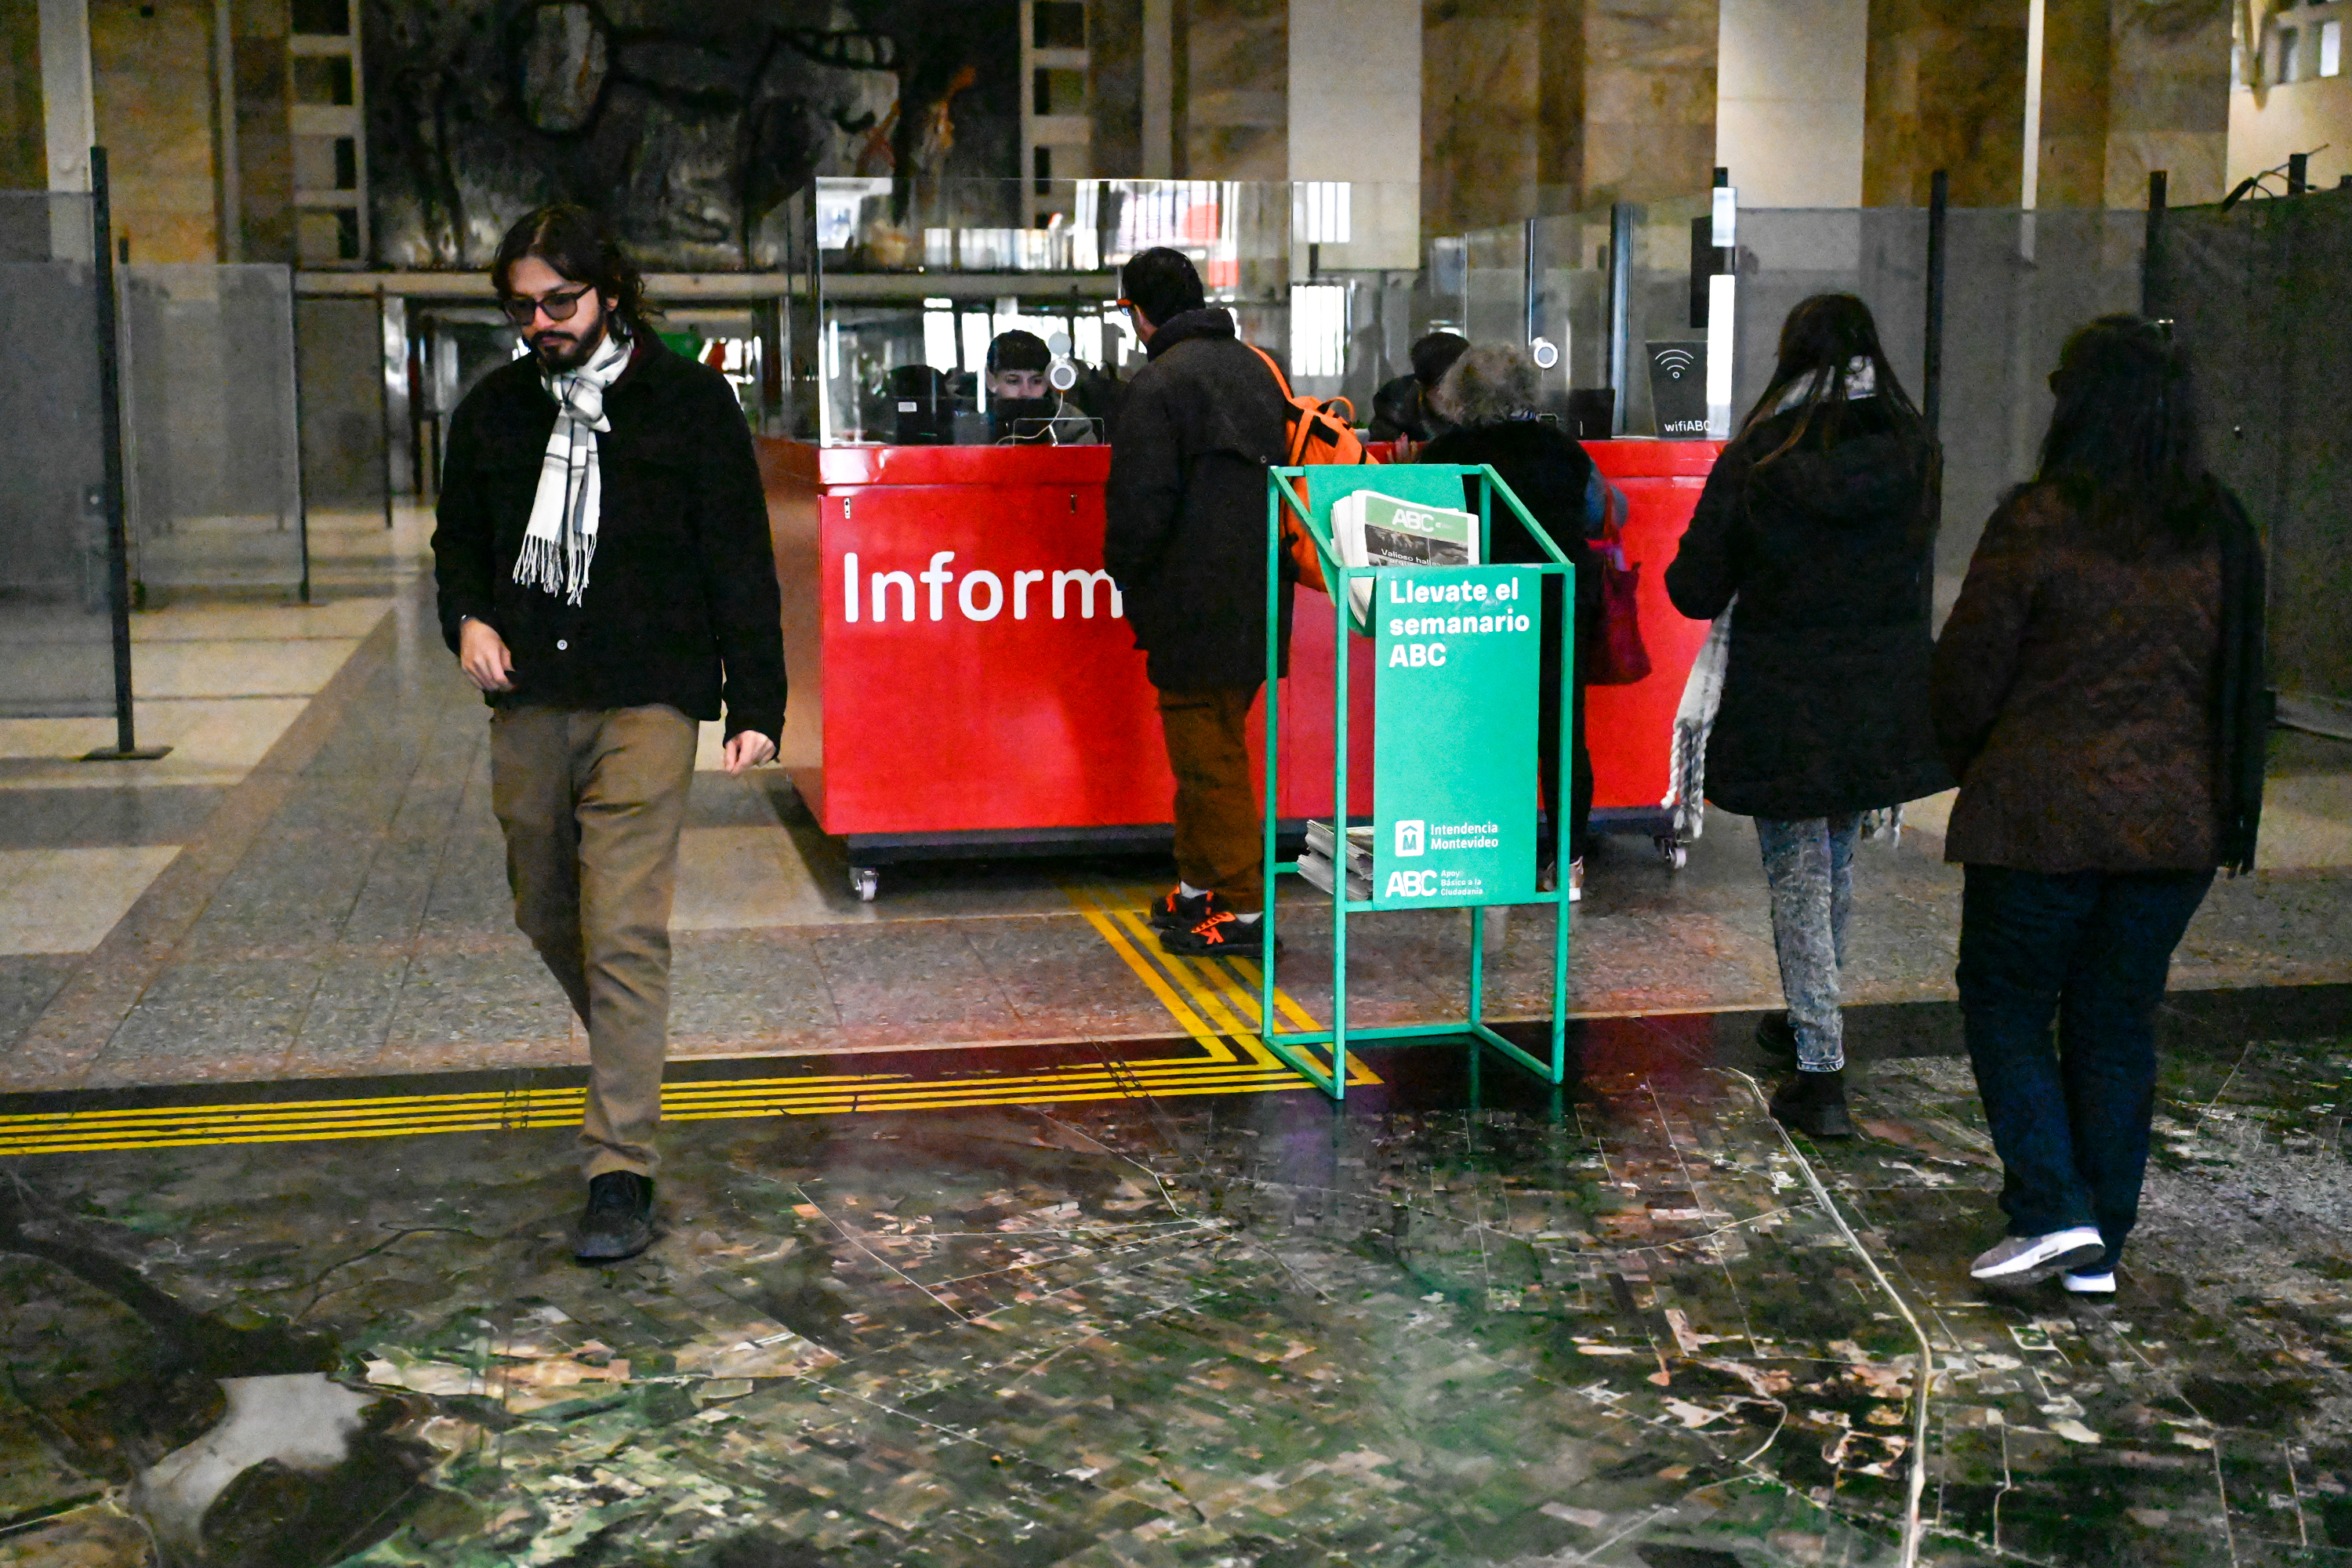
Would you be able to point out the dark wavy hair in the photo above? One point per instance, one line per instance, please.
(1829, 332)
(2123, 446)
(579, 245)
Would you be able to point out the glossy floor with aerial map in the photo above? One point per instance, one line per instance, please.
(992, 1236)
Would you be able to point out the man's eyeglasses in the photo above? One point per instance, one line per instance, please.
(559, 306)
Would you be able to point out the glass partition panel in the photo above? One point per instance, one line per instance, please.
(213, 455)
(2015, 284)
(914, 282)
(57, 657)
(1666, 327)
(346, 431)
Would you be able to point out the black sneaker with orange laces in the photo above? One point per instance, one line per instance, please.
(1177, 909)
(1223, 934)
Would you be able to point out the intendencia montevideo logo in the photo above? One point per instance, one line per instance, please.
(1470, 609)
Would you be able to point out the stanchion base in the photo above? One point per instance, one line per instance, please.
(135, 754)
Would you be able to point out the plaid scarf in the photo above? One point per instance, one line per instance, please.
(561, 538)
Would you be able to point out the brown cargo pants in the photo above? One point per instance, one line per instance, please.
(1217, 830)
(591, 804)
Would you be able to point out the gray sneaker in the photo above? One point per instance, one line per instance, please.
(2023, 1259)
(2095, 1283)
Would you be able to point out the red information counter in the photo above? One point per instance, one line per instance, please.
(963, 682)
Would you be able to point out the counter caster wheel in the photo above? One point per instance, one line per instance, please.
(1671, 852)
(865, 881)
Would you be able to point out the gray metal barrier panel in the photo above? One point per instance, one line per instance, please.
(213, 460)
(55, 651)
(2256, 297)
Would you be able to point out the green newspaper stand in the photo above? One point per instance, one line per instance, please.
(1454, 793)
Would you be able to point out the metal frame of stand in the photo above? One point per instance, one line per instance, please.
(1434, 484)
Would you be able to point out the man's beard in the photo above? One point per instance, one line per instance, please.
(560, 351)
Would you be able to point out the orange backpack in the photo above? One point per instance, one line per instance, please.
(1316, 436)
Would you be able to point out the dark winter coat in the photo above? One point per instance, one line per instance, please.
(2105, 709)
(682, 605)
(1551, 474)
(1184, 511)
(1831, 553)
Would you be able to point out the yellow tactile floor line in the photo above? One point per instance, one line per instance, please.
(1216, 1011)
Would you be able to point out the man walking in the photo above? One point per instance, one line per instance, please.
(606, 580)
(1185, 538)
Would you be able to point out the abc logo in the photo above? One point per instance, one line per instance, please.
(1412, 885)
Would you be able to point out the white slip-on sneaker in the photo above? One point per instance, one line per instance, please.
(2023, 1260)
(1575, 881)
(2089, 1284)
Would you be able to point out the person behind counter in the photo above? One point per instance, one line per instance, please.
(1488, 399)
(605, 579)
(1406, 408)
(1184, 536)
(2099, 690)
(1820, 519)
(1021, 403)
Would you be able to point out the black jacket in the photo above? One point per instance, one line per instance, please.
(1184, 512)
(1551, 474)
(682, 605)
(1401, 407)
(1832, 554)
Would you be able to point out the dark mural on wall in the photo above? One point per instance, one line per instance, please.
(694, 124)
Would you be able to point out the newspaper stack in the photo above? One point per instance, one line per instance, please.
(1373, 530)
(1315, 865)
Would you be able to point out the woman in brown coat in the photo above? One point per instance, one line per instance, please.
(2098, 693)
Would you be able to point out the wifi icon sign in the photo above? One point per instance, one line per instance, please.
(1675, 363)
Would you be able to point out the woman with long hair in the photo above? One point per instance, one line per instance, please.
(1487, 399)
(2099, 692)
(1820, 521)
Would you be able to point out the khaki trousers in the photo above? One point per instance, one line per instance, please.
(591, 804)
(1217, 830)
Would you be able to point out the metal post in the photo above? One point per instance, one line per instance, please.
(1272, 813)
(2149, 277)
(1528, 260)
(383, 400)
(301, 494)
(1931, 369)
(2298, 174)
(1562, 908)
(1621, 312)
(1340, 595)
(126, 747)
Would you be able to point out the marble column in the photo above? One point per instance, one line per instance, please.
(1232, 99)
(1480, 112)
(1115, 79)
(152, 68)
(265, 137)
(24, 153)
(2168, 100)
(1649, 99)
(1946, 90)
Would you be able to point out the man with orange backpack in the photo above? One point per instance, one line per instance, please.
(1184, 536)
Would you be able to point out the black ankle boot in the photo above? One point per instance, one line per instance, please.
(619, 1222)
(1813, 1103)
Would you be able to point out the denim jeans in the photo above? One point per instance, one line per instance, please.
(1809, 866)
(2090, 948)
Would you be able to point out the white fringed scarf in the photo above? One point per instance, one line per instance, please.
(560, 541)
